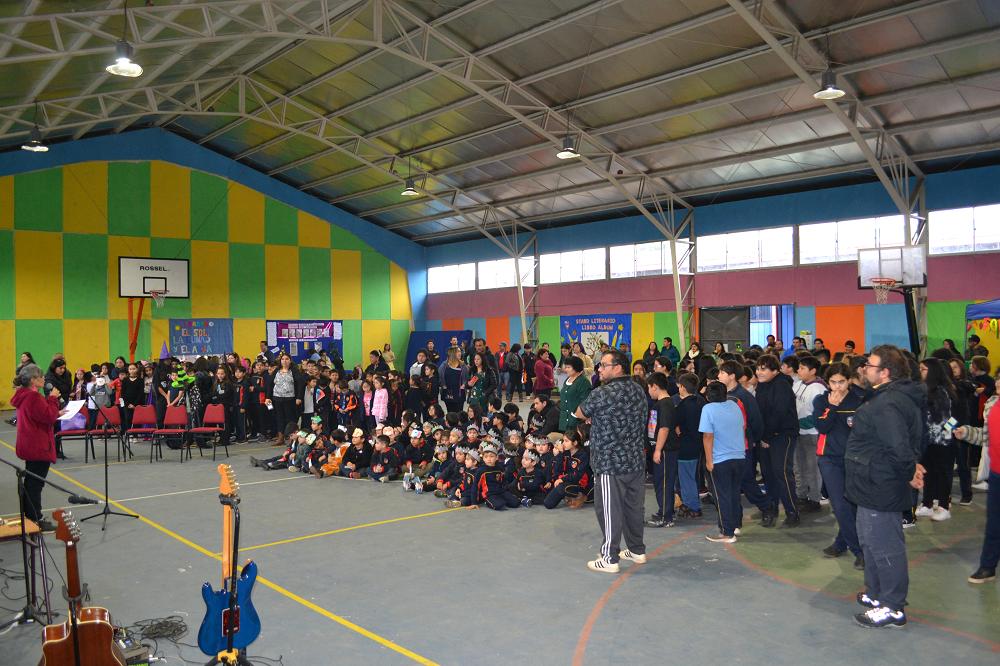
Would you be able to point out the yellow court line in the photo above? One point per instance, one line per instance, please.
(346, 529)
(137, 460)
(277, 588)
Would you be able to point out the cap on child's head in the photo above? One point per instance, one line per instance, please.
(437, 427)
(461, 449)
(489, 448)
(388, 431)
(509, 449)
(416, 433)
(475, 455)
(456, 431)
(310, 439)
(530, 455)
(358, 432)
(440, 448)
(471, 427)
(317, 419)
(302, 433)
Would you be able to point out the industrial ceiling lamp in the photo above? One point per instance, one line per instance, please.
(34, 143)
(828, 87)
(123, 65)
(410, 190)
(568, 151)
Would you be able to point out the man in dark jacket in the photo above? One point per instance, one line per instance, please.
(480, 346)
(776, 401)
(543, 417)
(880, 462)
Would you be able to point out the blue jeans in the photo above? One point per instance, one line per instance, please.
(887, 576)
(991, 539)
(724, 480)
(832, 470)
(687, 471)
(504, 383)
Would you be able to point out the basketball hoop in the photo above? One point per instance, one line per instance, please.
(158, 296)
(882, 285)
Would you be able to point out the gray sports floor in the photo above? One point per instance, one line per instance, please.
(353, 572)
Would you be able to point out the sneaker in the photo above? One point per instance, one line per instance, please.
(46, 525)
(966, 500)
(877, 618)
(737, 532)
(832, 551)
(924, 511)
(768, 516)
(602, 565)
(318, 472)
(708, 499)
(721, 538)
(909, 522)
(384, 479)
(864, 600)
(825, 501)
(632, 557)
(407, 485)
(418, 488)
(981, 486)
(654, 523)
(254, 462)
(982, 575)
(791, 520)
(440, 493)
(293, 468)
(261, 439)
(695, 514)
(809, 506)
(355, 475)
(452, 504)
(526, 502)
(859, 562)
(940, 513)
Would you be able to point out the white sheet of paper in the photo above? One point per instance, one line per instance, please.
(72, 409)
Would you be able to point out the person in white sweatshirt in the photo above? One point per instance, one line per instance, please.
(808, 481)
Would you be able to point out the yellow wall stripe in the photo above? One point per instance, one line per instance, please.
(85, 341)
(7, 202)
(642, 333)
(313, 232)
(400, 293)
(170, 201)
(374, 334)
(38, 280)
(281, 282)
(247, 334)
(209, 279)
(346, 287)
(246, 215)
(85, 198)
(9, 355)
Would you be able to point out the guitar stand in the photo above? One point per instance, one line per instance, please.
(230, 657)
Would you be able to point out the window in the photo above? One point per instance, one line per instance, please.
(818, 243)
(487, 275)
(622, 259)
(527, 267)
(466, 277)
(775, 247)
(441, 279)
(683, 257)
(840, 241)
(549, 268)
(745, 249)
(987, 228)
(595, 264)
(571, 266)
(712, 253)
(965, 230)
(497, 274)
(649, 259)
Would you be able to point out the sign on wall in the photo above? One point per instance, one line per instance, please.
(592, 330)
(301, 337)
(201, 337)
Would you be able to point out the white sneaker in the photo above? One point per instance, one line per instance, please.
(924, 511)
(600, 564)
(293, 468)
(736, 532)
(981, 486)
(941, 514)
(632, 557)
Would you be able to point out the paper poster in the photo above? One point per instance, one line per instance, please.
(201, 337)
(592, 330)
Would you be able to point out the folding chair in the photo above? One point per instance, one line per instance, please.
(109, 423)
(174, 425)
(143, 424)
(77, 435)
(215, 424)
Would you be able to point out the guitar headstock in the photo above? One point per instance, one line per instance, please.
(68, 531)
(228, 484)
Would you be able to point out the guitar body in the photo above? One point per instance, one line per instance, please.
(96, 636)
(211, 636)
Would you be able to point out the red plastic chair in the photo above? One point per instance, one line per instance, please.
(174, 426)
(77, 435)
(109, 423)
(143, 421)
(215, 424)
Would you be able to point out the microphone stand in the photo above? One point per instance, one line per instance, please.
(29, 613)
(107, 506)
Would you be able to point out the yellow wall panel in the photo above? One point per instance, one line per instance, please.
(7, 202)
(210, 279)
(345, 275)
(159, 333)
(313, 232)
(38, 291)
(170, 201)
(246, 215)
(85, 198)
(9, 356)
(247, 334)
(399, 292)
(124, 246)
(281, 282)
(374, 334)
(642, 333)
(85, 341)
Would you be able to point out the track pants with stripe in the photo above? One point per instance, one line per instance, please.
(664, 480)
(776, 465)
(620, 504)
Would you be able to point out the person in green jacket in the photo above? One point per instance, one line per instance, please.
(573, 393)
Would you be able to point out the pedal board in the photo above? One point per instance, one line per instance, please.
(136, 654)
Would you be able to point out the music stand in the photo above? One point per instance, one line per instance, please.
(107, 511)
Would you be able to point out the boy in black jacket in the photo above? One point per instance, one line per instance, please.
(418, 453)
(492, 485)
(546, 459)
(385, 463)
(776, 401)
(467, 492)
(688, 419)
(357, 458)
(572, 476)
(453, 479)
(528, 481)
(661, 431)
(241, 402)
(439, 470)
(413, 400)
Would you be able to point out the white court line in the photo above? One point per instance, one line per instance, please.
(216, 488)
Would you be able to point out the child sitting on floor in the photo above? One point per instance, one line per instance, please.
(453, 478)
(336, 447)
(439, 469)
(467, 492)
(528, 481)
(385, 462)
(418, 453)
(491, 481)
(357, 458)
(574, 479)
(284, 460)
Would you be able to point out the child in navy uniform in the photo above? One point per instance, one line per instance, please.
(357, 458)
(439, 470)
(574, 479)
(385, 463)
(453, 479)
(491, 482)
(418, 453)
(545, 459)
(467, 493)
(528, 481)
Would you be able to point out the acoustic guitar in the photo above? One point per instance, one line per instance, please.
(87, 638)
(214, 635)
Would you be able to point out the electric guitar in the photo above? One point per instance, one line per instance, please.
(87, 638)
(231, 621)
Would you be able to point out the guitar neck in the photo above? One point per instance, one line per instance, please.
(72, 572)
(227, 543)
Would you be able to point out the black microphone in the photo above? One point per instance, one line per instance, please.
(80, 499)
(48, 386)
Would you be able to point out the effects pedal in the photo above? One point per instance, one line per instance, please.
(135, 653)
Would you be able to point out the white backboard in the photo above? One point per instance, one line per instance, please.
(137, 276)
(907, 264)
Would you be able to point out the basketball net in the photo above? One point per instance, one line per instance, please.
(882, 285)
(158, 296)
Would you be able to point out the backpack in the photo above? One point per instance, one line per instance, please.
(512, 362)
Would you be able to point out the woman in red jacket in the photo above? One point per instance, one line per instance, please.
(36, 444)
(544, 379)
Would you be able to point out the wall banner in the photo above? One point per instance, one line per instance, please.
(201, 337)
(592, 330)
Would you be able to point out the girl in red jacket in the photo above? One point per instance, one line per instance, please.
(36, 444)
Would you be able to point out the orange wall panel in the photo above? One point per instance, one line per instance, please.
(837, 323)
(452, 324)
(497, 331)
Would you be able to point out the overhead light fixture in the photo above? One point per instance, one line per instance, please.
(410, 190)
(568, 151)
(34, 143)
(828, 87)
(123, 65)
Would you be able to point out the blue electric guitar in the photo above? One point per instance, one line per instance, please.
(231, 622)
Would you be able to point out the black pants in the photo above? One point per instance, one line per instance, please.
(161, 410)
(454, 405)
(546, 392)
(725, 479)
(501, 501)
(749, 484)
(967, 457)
(776, 464)
(284, 412)
(561, 492)
(664, 480)
(938, 461)
(32, 497)
(620, 505)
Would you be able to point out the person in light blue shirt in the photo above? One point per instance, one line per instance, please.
(722, 426)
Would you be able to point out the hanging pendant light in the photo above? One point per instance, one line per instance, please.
(123, 65)
(410, 190)
(568, 151)
(34, 143)
(828, 87)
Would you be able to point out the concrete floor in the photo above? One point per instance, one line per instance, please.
(358, 572)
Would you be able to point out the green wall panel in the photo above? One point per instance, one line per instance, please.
(352, 344)
(281, 223)
(400, 339)
(665, 326)
(342, 239)
(128, 199)
(6, 274)
(375, 286)
(209, 207)
(41, 337)
(118, 339)
(548, 331)
(314, 283)
(246, 281)
(946, 319)
(171, 248)
(85, 276)
(38, 200)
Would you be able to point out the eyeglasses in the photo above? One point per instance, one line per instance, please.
(869, 365)
(606, 365)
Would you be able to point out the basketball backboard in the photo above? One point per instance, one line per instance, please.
(138, 276)
(906, 264)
